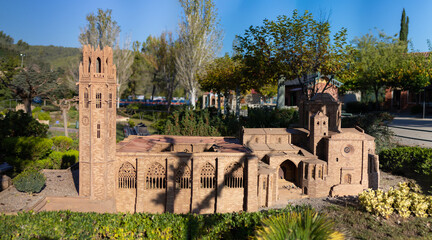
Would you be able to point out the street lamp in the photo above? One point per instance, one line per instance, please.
(22, 59)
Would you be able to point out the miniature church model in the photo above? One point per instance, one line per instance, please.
(182, 174)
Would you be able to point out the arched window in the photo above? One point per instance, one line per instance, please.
(234, 176)
(98, 65)
(86, 98)
(183, 177)
(98, 100)
(89, 66)
(347, 178)
(127, 176)
(208, 176)
(156, 177)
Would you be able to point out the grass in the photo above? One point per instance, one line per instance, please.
(358, 224)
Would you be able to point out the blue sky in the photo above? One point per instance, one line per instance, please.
(58, 22)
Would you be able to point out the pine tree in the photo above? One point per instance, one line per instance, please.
(403, 34)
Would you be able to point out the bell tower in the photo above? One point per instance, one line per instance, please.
(97, 119)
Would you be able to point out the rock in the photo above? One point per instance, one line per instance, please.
(5, 182)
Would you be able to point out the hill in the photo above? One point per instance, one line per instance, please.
(54, 55)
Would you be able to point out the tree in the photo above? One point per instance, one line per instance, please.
(221, 76)
(293, 48)
(377, 61)
(101, 31)
(159, 54)
(32, 81)
(403, 34)
(65, 105)
(123, 59)
(199, 39)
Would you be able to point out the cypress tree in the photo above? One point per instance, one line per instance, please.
(403, 34)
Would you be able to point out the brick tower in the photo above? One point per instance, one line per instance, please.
(97, 119)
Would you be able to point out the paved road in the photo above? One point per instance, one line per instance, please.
(62, 129)
(413, 131)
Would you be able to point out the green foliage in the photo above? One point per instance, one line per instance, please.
(306, 224)
(131, 123)
(74, 225)
(29, 181)
(292, 47)
(382, 62)
(32, 148)
(374, 124)
(403, 34)
(55, 160)
(62, 143)
(192, 123)
(42, 115)
(405, 200)
(407, 159)
(270, 118)
(20, 124)
(56, 56)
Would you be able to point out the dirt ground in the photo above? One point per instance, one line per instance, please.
(64, 183)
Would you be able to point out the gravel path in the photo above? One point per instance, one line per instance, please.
(58, 183)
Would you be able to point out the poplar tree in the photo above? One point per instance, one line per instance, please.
(200, 39)
(403, 34)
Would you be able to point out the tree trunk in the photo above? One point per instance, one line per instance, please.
(27, 105)
(65, 123)
(153, 91)
(193, 97)
(170, 94)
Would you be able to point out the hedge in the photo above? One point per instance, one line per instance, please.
(73, 225)
(401, 159)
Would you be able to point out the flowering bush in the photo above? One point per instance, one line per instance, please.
(405, 200)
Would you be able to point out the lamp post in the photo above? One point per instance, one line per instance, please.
(22, 59)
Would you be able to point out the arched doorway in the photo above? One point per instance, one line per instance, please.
(288, 171)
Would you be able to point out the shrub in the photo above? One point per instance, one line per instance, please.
(32, 148)
(402, 159)
(29, 181)
(20, 124)
(62, 143)
(306, 224)
(270, 118)
(22, 152)
(405, 200)
(131, 123)
(69, 158)
(39, 114)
